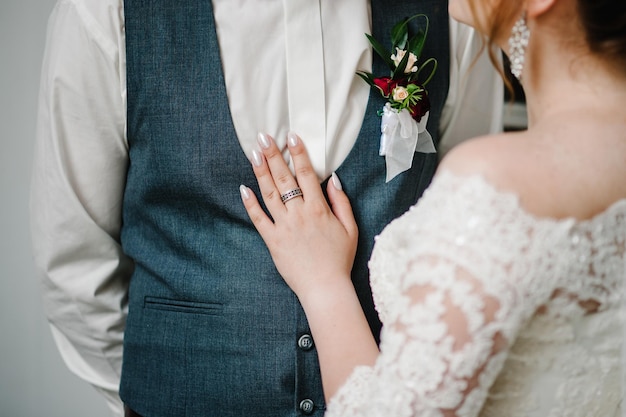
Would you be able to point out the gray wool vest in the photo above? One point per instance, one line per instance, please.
(212, 328)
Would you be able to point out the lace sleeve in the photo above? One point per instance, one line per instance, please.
(454, 280)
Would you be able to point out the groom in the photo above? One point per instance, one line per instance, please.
(211, 330)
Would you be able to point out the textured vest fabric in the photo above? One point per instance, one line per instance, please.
(212, 328)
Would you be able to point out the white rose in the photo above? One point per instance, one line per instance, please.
(399, 56)
(400, 93)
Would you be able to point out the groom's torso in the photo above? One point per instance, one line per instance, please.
(212, 328)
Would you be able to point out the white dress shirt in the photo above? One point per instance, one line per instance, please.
(81, 154)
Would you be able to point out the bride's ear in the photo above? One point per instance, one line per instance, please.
(535, 8)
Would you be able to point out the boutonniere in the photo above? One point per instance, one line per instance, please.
(404, 116)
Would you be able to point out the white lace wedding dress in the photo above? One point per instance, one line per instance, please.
(490, 311)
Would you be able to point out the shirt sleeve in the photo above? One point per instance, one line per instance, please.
(465, 279)
(79, 171)
(475, 102)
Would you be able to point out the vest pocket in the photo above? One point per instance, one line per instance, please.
(190, 307)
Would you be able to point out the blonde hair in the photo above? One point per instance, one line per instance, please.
(496, 26)
(603, 23)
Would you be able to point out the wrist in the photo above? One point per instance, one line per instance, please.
(325, 295)
(342, 335)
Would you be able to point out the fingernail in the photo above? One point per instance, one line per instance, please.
(244, 191)
(257, 158)
(292, 138)
(263, 140)
(336, 182)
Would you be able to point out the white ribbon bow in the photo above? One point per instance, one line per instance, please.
(401, 137)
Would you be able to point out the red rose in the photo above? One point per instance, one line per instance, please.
(385, 85)
(420, 108)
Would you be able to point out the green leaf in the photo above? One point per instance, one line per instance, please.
(400, 34)
(416, 44)
(414, 88)
(367, 77)
(380, 50)
(432, 61)
(412, 44)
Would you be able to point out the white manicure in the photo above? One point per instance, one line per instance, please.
(257, 158)
(263, 140)
(336, 182)
(292, 138)
(245, 193)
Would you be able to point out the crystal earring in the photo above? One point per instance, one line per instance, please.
(518, 42)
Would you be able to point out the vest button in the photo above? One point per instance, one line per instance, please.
(305, 342)
(306, 406)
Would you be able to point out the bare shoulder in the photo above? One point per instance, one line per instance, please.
(554, 174)
(494, 157)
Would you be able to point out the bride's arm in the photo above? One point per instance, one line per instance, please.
(464, 281)
(341, 333)
(313, 247)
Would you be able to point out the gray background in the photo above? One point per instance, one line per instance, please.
(34, 382)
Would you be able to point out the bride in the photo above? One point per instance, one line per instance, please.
(500, 291)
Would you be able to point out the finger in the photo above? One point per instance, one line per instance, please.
(260, 220)
(269, 192)
(305, 174)
(341, 206)
(281, 174)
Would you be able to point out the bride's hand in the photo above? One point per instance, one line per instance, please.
(312, 245)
